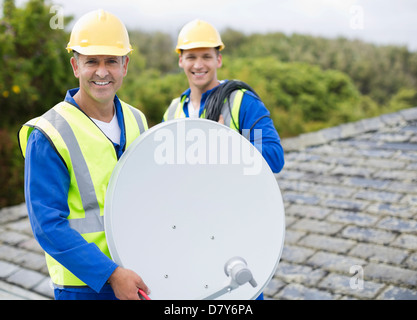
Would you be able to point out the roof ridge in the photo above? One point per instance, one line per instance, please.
(349, 129)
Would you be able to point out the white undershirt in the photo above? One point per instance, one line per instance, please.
(111, 129)
(193, 113)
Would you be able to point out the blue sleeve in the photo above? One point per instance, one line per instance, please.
(46, 192)
(254, 115)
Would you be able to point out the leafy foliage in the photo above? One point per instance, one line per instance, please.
(377, 71)
(306, 82)
(11, 170)
(35, 69)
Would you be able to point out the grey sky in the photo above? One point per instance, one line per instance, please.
(376, 21)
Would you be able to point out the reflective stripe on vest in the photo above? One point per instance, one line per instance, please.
(176, 109)
(93, 221)
(78, 140)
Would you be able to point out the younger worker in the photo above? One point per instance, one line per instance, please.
(70, 152)
(199, 45)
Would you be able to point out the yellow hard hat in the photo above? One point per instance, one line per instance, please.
(99, 33)
(198, 34)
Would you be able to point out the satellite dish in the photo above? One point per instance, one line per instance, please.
(195, 210)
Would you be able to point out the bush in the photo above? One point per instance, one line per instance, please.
(11, 169)
(35, 71)
(304, 95)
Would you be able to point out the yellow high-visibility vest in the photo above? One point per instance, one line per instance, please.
(90, 158)
(231, 119)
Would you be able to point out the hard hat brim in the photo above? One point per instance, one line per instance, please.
(100, 50)
(195, 45)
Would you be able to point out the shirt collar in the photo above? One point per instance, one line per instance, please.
(187, 92)
(69, 97)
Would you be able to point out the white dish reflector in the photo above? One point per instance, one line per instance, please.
(195, 210)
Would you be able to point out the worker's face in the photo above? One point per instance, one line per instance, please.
(100, 76)
(200, 66)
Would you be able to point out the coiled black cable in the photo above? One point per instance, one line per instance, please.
(218, 96)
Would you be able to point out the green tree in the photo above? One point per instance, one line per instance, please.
(157, 48)
(304, 92)
(377, 71)
(152, 92)
(35, 70)
(34, 75)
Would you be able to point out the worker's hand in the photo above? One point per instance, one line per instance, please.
(221, 119)
(126, 283)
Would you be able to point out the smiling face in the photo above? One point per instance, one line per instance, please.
(200, 66)
(100, 77)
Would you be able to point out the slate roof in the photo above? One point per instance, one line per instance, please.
(350, 195)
